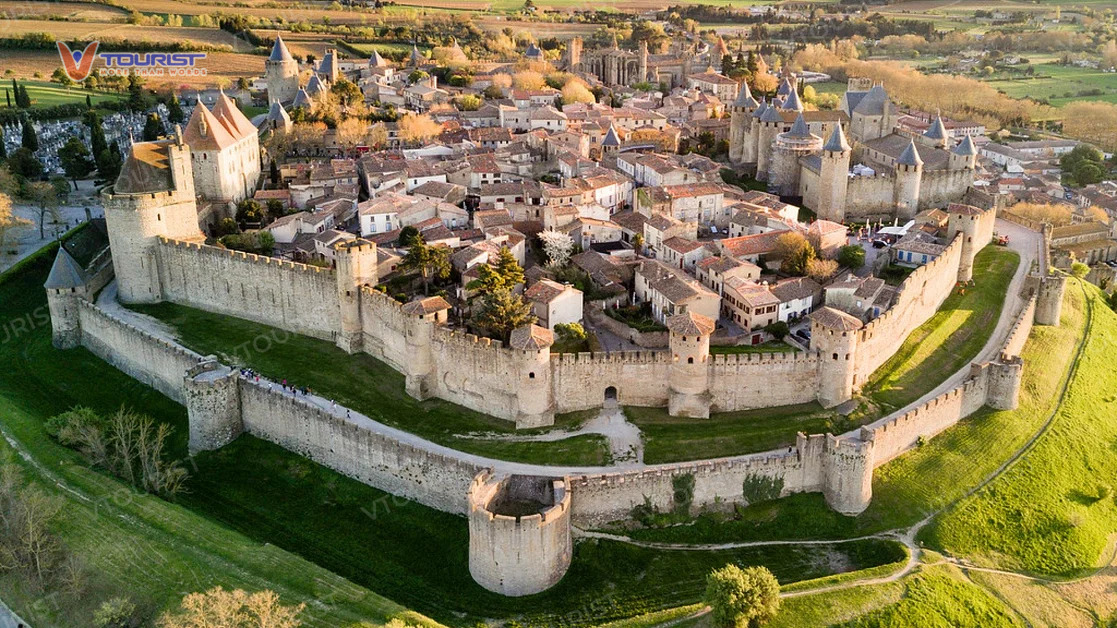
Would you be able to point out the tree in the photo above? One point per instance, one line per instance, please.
(570, 335)
(30, 138)
(492, 92)
(175, 114)
(1080, 270)
(153, 128)
(558, 246)
(418, 128)
(794, 252)
(350, 134)
(851, 256)
(821, 270)
(8, 220)
(59, 76)
(3, 148)
(501, 312)
(250, 210)
(117, 612)
(638, 243)
(431, 262)
(273, 174)
(74, 157)
(347, 92)
(467, 102)
(233, 609)
(26, 516)
(407, 236)
(778, 329)
(529, 79)
(377, 136)
(742, 597)
(575, 91)
(45, 198)
(505, 274)
(23, 163)
(110, 162)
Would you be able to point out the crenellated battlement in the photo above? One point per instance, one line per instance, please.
(173, 348)
(612, 357)
(762, 358)
(467, 340)
(264, 260)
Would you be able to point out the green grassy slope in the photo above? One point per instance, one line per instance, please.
(950, 338)
(1053, 511)
(365, 384)
(133, 544)
(925, 479)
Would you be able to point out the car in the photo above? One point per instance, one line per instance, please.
(879, 244)
(804, 334)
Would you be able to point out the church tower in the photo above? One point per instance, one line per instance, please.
(281, 72)
(833, 177)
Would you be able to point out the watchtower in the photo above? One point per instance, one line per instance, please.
(689, 377)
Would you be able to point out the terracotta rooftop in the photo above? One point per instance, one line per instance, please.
(531, 338)
(690, 324)
(835, 319)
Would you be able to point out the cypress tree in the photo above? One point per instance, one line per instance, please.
(8, 96)
(88, 102)
(153, 128)
(3, 149)
(174, 111)
(30, 140)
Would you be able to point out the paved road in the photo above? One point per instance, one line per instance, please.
(8, 618)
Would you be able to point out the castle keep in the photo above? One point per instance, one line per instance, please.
(807, 154)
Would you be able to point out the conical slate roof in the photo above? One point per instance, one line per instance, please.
(965, 147)
(611, 138)
(416, 57)
(744, 97)
(937, 130)
(837, 142)
(785, 87)
(792, 102)
(302, 99)
(314, 86)
(278, 114)
(279, 51)
(874, 102)
(759, 113)
(65, 273)
(376, 61)
(910, 156)
(800, 128)
(771, 114)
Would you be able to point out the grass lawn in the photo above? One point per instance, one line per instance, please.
(1060, 84)
(950, 338)
(1053, 512)
(132, 544)
(270, 502)
(671, 439)
(369, 386)
(922, 480)
(774, 346)
(935, 596)
(44, 94)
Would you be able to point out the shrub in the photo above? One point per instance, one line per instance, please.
(742, 597)
(761, 488)
(117, 612)
(683, 492)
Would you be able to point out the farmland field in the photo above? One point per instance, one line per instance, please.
(71, 11)
(90, 31)
(49, 94)
(1061, 84)
(227, 65)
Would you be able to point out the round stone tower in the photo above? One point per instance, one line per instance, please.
(422, 317)
(834, 336)
(532, 346)
(833, 177)
(1003, 385)
(152, 197)
(689, 375)
(356, 267)
(281, 73)
(1049, 301)
(212, 394)
(783, 171)
(909, 175)
(519, 532)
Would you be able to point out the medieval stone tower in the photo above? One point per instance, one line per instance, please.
(790, 146)
(152, 197)
(519, 532)
(834, 335)
(770, 123)
(533, 375)
(964, 155)
(356, 267)
(976, 226)
(65, 286)
(281, 72)
(225, 151)
(909, 174)
(689, 373)
(833, 179)
(740, 125)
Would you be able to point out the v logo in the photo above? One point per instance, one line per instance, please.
(77, 64)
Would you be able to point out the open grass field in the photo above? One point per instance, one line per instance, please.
(767, 347)
(672, 439)
(950, 338)
(69, 11)
(230, 66)
(91, 31)
(369, 386)
(1054, 511)
(280, 501)
(1061, 84)
(44, 94)
(925, 479)
(132, 544)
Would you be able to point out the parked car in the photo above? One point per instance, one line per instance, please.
(879, 244)
(804, 334)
